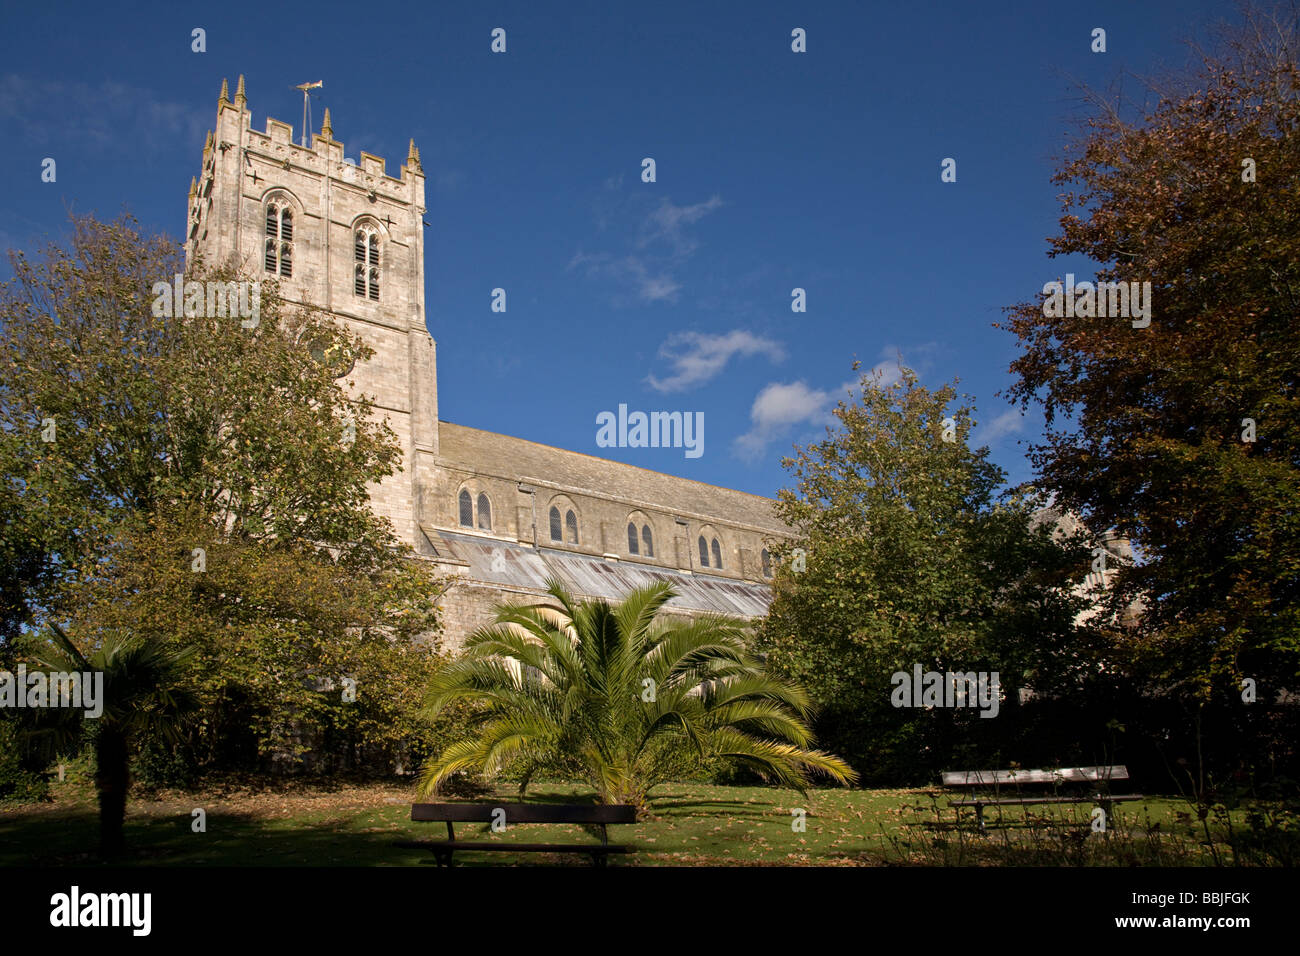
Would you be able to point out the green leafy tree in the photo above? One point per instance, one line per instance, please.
(614, 693)
(191, 480)
(1186, 434)
(276, 628)
(908, 558)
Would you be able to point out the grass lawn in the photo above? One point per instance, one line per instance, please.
(690, 824)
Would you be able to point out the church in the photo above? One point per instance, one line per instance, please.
(496, 514)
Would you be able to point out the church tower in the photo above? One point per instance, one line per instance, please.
(347, 239)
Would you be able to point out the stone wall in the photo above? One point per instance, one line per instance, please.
(523, 479)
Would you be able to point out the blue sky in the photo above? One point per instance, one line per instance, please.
(775, 170)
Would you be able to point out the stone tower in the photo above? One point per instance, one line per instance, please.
(500, 515)
(344, 238)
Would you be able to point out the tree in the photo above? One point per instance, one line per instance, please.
(142, 693)
(910, 560)
(276, 629)
(202, 481)
(1186, 434)
(614, 692)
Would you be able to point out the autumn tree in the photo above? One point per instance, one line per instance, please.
(1185, 434)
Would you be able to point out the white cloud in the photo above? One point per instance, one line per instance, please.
(887, 371)
(102, 116)
(781, 406)
(1010, 422)
(697, 357)
(665, 224)
(650, 286)
(659, 244)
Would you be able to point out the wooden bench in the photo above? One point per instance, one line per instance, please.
(987, 788)
(585, 814)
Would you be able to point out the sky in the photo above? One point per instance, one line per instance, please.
(774, 170)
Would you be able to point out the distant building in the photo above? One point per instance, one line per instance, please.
(1110, 553)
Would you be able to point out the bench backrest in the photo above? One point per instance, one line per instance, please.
(1011, 778)
(523, 812)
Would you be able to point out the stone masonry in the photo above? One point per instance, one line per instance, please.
(349, 239)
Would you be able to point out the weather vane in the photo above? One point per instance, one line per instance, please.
(306, 105)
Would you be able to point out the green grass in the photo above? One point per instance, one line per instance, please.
(690, 824)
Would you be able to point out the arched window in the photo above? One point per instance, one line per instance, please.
(365, 272)
(484, 513)
(555, 524)
(717, 554)
(632, 543)
(279, 238)
(571, 526)
(704, 552)
(648, 541)
(466, 509)
(767, 563)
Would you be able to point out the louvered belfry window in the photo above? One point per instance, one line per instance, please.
(365, 252)
(279, 239)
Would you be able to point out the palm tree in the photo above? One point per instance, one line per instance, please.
(140, 695)
(616, 693)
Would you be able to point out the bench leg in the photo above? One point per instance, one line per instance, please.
(444, 857)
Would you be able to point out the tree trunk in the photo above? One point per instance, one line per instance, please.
(112, 776)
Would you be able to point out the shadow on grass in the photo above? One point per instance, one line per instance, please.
(740, 808)
(71, 838)
(231, 839)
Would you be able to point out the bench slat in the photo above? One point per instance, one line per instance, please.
(992, 778)
(1004, 801)
(523, 813)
